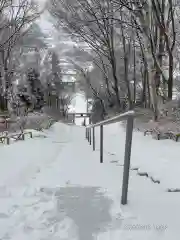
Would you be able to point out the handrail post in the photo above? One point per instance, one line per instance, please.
(86, 133)
(101, 144)
(90, 136)
(94, 143)
(127, 156)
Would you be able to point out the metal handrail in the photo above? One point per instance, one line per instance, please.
(129, 116)
(115, 119)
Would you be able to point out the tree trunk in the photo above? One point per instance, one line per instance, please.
(134, 73)
(152, 87)
(144, 98)
(126, 81)
(170, 80)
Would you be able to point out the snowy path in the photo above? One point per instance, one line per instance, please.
(55, 188)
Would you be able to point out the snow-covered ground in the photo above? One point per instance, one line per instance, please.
(157, 159)
(53, 187)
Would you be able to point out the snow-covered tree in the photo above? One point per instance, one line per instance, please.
(132, 43)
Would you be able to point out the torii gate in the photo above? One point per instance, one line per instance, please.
(79, 115)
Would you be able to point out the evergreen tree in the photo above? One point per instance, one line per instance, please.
(36, 88)
(56, 72)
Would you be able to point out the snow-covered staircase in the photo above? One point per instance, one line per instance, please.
(56, 188)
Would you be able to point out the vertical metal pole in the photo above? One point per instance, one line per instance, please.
(90, 136)
(84, 122)
(86, 133)
(73, 118)
(56, 102)
(23, 136)
(6, 124)
(101, 144)
(94, 143)
(30, 134)
(127, 157)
